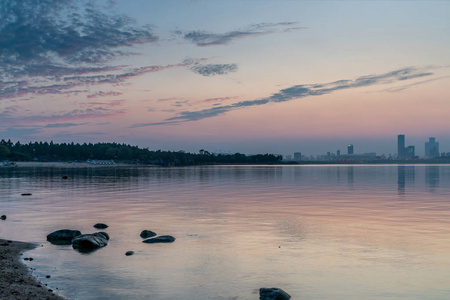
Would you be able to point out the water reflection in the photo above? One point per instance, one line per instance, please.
(405, 175)
(317, 231)
(432, 177)
(350, 176)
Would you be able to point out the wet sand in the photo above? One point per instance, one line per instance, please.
(16, 280)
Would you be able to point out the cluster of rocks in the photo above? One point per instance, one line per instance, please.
(81, 242)
(90, 242)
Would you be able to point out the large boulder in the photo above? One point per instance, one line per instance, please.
(160, 239)
(90, 242)
(273, 294)
(63, 236)
(147, 234)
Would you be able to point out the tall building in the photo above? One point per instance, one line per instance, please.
(297, 155)
(432, 148)
(401, 146)
(350, 149)
(410, 151)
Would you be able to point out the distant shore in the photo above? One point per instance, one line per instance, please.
(63, 164)
(16, 280)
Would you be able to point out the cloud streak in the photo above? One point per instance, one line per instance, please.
(204, 38)
(296, 92)
(213, 69)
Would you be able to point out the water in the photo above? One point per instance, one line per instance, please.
(318, 232)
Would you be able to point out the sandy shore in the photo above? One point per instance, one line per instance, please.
(16, 280)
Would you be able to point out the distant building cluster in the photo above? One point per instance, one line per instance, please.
(403, 153)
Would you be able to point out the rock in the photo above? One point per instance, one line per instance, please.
(100, 226)
(63, 237)
(104, 234)
(147, 234)
(273, 294)
(89, 242)
(65, 177)
(128, 253)
(3, 217)
(160, 239)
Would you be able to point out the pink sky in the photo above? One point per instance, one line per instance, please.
(276, 77)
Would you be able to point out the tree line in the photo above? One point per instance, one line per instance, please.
(44, 151)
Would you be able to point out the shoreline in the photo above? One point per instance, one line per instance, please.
(16, 280)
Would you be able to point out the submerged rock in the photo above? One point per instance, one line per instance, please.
(273, 294)
(147, 234)
(128, 253)
(100, 226)
(89, 242)
(63, 236)
(160, 239)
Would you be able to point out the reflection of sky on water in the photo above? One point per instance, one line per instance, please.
(319, 232)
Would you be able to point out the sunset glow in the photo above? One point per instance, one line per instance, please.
(238, 76)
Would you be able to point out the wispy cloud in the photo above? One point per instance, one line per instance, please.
(213, 69)
(297, 92)
(63, 117)
(63, 125)
(66, 84)
(204, 38)
(217, 100)
(104, 94)
(114, 103)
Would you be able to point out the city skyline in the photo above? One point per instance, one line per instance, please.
(243, 76)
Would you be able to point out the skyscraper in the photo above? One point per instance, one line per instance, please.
(432, 148)
(350, 149)
(401, 146)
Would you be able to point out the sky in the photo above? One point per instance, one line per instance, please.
(250, 76)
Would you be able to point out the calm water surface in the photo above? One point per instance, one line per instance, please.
(318, 232)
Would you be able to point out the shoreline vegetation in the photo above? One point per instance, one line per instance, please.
(70, 152)
(16, 280)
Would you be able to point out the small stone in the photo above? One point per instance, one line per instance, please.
(128, 253)
(147, 234)
(100, 226)
(160, 239)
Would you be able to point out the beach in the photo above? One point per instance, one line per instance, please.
(16, 279)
